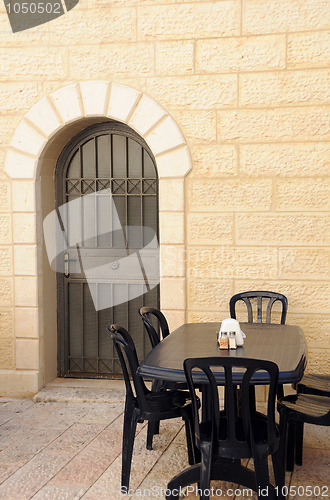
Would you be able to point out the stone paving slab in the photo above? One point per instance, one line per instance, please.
(70, 449)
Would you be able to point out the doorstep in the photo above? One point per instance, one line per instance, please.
(71, 390)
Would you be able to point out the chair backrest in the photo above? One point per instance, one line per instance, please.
(259, 295)
(145, 313)
(135, 387)
(231, 436)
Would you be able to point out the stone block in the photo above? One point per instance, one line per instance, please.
(299, 160)
(24, 228)
(304, 297)
(174, 163)
(67, 102)
(172, 261)
(302, 194)
(174, 318)
(95, 97)
(18, 96)
(172, 293)
(195, 92)
(26, 291)
(5, 197)
(303, 263)
(107, 26)
(220, 55)
(269, 16)
(195, 20)
(210, 229)
(274, 124)
(24, 196)
(18, 165)
(6, 324)
(286, 229)
(232, 262)
(6, 292)
(27, 354)
(318, 361)
(27, 140)
(314, 326)
(175, 58)
(128, 60)
(33, 63)
(171, 227)
(308, 50)
(171, 195)
(198, 126)
(26, 322)
(5, 229)
(122, 101)
(7, 354)
(214, 161)
(43, 115)
(8, 125)
(6, 261)
(166, 135)
(209, 295)
(208, 316)
(285, 88)
(146, 114)
(206, 195)
(25, 260)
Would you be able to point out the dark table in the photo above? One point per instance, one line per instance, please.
(283, 344)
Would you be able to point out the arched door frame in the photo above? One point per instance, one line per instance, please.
(34, 148)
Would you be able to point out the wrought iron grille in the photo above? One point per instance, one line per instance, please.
(108, 156)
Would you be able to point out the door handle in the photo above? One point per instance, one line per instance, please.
(66, 264)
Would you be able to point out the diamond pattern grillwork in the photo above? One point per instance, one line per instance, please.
(149, 186)
(87, 186)
(133, 186)
(118, 186)
(73, 187)
(103, 184)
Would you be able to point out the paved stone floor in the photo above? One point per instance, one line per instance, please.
(66, 444)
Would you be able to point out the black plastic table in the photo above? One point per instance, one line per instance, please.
(283, 344)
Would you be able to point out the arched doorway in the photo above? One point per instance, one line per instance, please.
(106, 183)
(30, 164)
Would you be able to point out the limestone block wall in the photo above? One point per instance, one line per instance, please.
(247, 83)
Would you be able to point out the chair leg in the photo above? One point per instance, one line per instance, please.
(291, 444)
(205, 477)
(193, 452)
(260, 460)
(153, 428)
(131, 417)
(279, 473)
(299, 442)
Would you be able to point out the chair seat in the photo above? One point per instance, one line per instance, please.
(314, 384)
(167, 400)
(309, 407)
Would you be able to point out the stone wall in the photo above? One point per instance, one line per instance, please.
(247, 82)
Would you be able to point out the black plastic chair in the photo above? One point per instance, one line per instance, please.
(318, 385)
(225, 437)
(295, 410)
(259, 295)
(154, 337)
(142, 404)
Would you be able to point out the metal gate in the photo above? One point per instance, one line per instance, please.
(104, 158)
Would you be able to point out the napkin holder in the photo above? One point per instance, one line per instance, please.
(230, 335)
